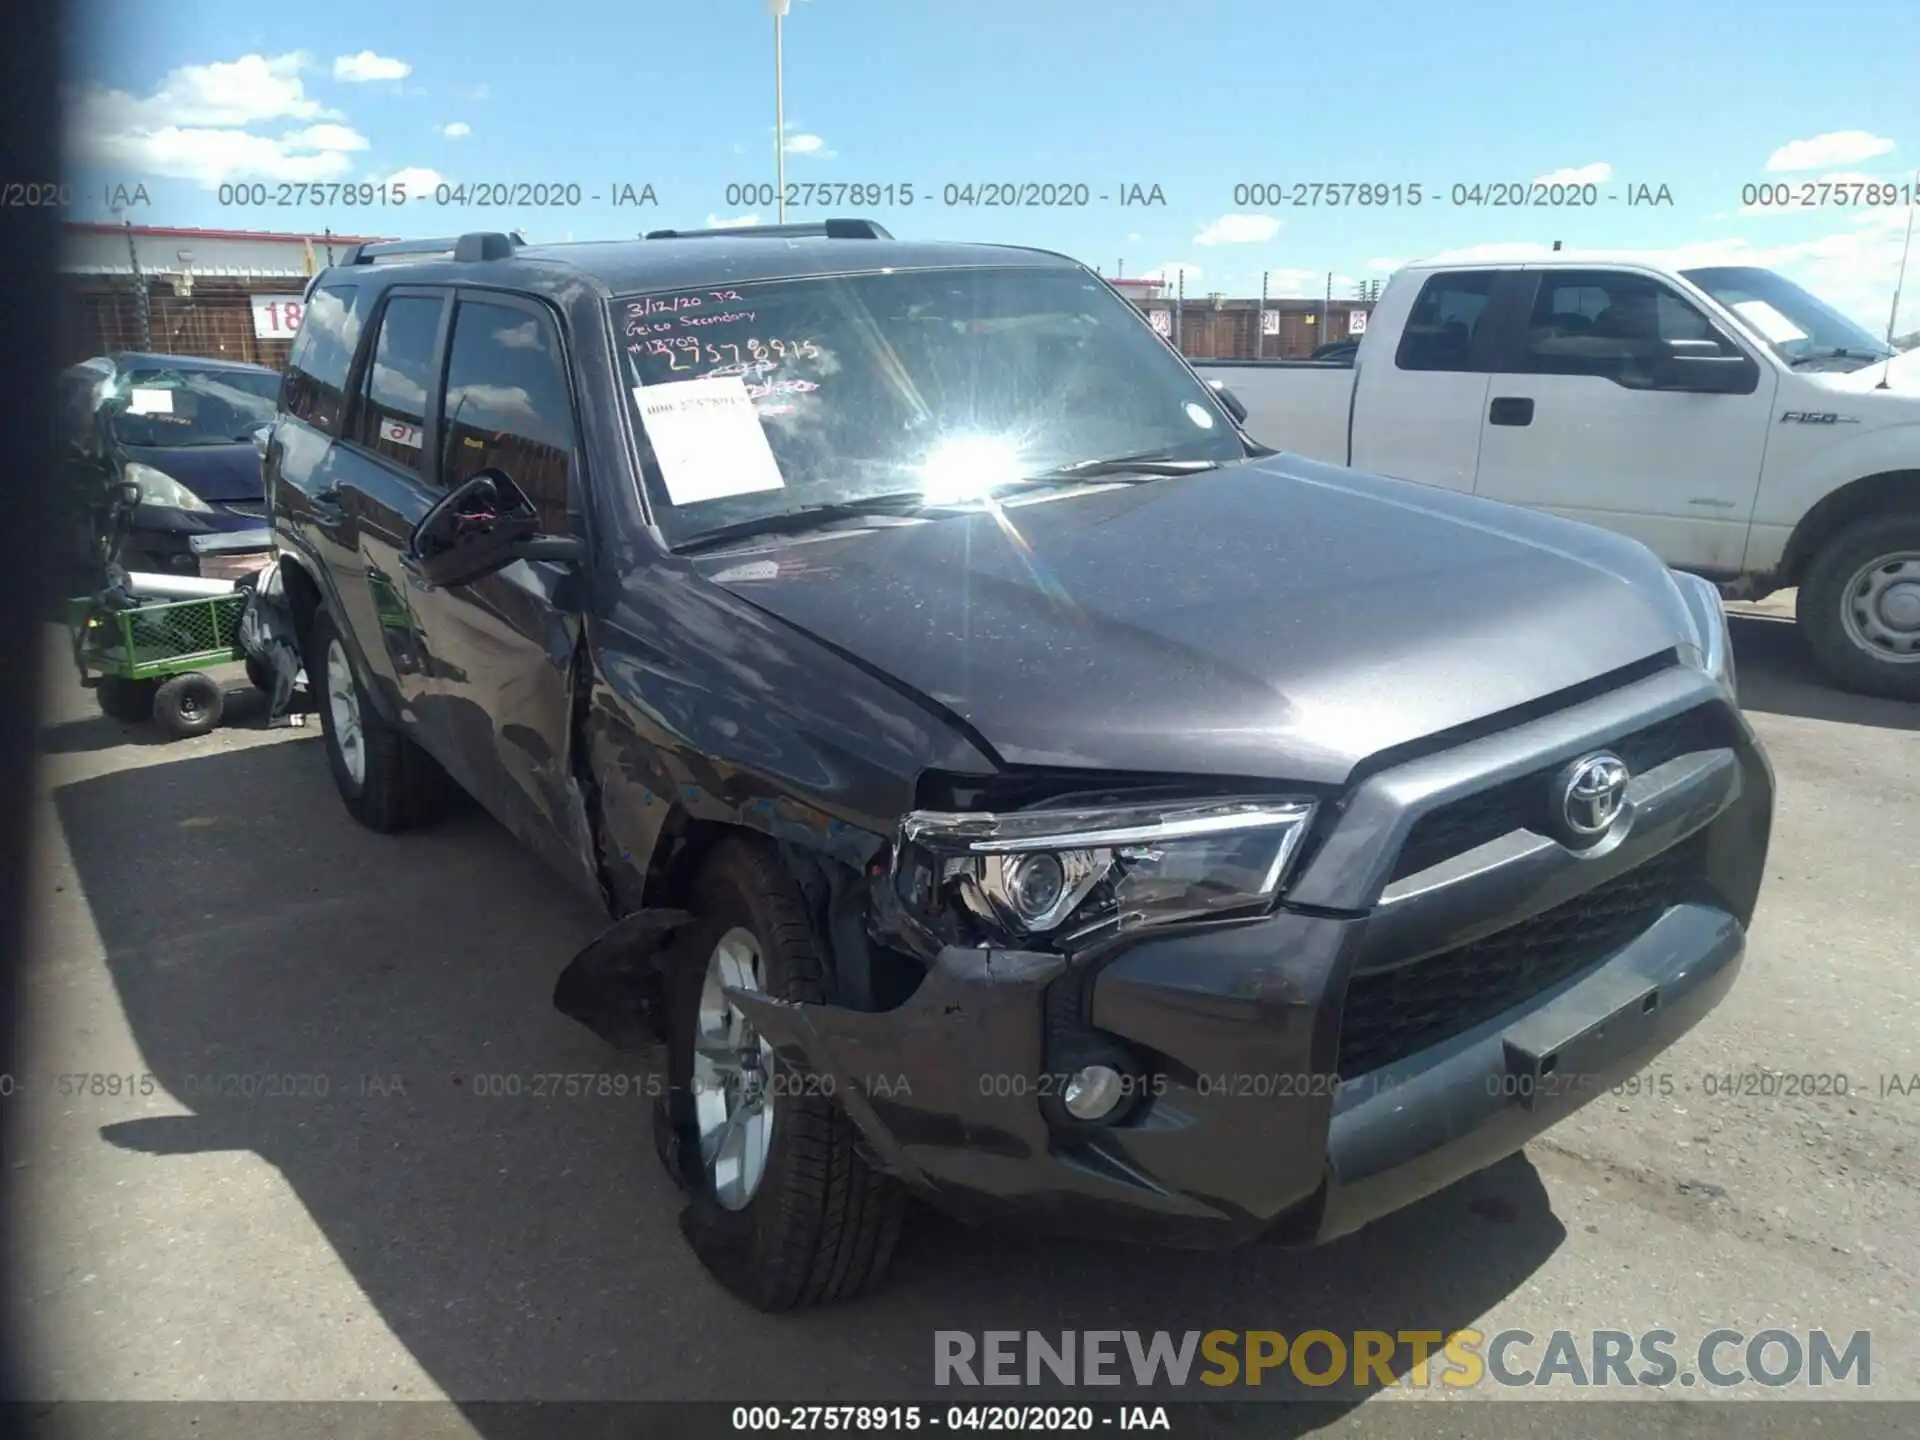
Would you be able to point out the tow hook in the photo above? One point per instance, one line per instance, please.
(615, 986)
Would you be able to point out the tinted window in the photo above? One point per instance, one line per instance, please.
(1608, 324)
(393, 417)
(316, 387)
(1445, 319)
(507, 406)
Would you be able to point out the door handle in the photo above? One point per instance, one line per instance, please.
(1510, 410)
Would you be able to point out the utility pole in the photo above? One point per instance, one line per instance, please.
(1326, 304)
(1260, 326)
(1180, 309)
(779, 9)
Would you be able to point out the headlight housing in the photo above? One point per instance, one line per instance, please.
(1709, 616)
(1067, 876)
(156, 487)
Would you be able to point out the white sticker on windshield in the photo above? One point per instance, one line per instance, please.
(1198, 414)
(143, 400)
(1768, 321)
(707, 439)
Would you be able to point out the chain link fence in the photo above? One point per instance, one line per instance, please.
(213, 319)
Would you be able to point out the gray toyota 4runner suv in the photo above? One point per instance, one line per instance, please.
(1006, 783)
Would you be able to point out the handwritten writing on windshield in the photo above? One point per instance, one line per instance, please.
(674, 304)
(754, 354)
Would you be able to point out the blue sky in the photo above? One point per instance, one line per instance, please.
(1196, 97)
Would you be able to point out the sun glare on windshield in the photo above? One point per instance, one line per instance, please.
(969, 467)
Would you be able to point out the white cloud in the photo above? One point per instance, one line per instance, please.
(200, 123)
(1133, 236)
(1383, 263)
(458, 130)
(418, 180)
(1836, 147)
(1238, 230)
(723, 222)
(365, 66)
(810, 145)
(1597, 173)
(482, 93)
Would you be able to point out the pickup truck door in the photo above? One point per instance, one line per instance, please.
(1417, 406)
(1573, 424)
(499, 652)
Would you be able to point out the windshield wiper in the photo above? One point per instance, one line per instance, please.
(1150, 464)
(811, 517)
(1842, 352)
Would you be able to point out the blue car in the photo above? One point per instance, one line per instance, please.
(183, 432)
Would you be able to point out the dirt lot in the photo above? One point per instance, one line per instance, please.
(207, 909)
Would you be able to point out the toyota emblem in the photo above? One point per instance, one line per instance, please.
(1591, 792)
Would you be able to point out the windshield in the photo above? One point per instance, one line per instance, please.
(762, 399)
(175, 408)
(1798, 325)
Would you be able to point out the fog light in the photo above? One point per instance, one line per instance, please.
(1092, 1092)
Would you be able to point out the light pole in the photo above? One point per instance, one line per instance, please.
(778, 9)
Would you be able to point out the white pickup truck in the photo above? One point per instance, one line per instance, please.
(1723, 416)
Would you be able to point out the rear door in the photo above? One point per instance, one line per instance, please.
(385, 481)
(1573, 423)
(1416, 410)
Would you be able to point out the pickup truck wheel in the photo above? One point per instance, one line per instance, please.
(1859, 607)
(388, 782)
(782, 1209)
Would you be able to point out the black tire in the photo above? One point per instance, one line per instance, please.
(400, 786)
(822, 1224)
(1823, 603)
(189, 704)
(128, 700)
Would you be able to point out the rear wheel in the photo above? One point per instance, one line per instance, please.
(1859, 606)
(121, 699)
(388, 782)
(782, 1208)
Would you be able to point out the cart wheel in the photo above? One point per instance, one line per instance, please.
(260, 676)
(189, 704)
(122, 699)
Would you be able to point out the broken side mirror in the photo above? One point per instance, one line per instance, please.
(480, 527)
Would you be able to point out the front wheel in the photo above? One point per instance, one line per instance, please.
(1859, 607)
(782, 1208)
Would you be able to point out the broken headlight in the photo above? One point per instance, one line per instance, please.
(1068, 874)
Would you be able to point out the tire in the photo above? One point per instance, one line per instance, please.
(821, 1224)
(128, 700)
(391, 784)
(189, 704)
(1857, 607)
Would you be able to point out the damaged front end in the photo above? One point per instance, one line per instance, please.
(984, 1081)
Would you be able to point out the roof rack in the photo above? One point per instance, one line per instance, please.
(475, 245)
(831, 229)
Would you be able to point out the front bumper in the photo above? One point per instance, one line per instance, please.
(162, 537)
(1317, 1068)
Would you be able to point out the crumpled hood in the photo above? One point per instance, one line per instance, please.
(1281, 618)
(213, 472)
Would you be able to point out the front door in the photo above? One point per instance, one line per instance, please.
(500, 652)
(1572, 423)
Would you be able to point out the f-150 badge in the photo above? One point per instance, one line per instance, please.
(1816, 417)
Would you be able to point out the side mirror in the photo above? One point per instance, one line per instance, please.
(1699, 367)
(261, 435)
(480, 527)
(1236, 407)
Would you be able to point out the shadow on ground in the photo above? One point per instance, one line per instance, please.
(1778, 677)
(527, 1248)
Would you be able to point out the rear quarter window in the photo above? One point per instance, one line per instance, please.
(316, 383)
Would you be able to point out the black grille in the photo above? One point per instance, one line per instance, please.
(1458, 827)
(1391, 1014)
